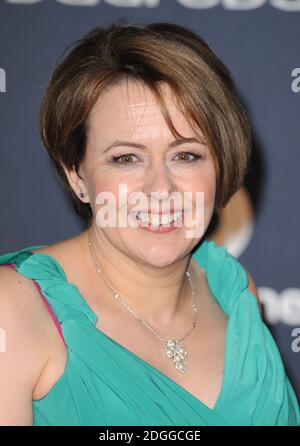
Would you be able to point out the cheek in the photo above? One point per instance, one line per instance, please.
(100, 191)
(209, 192)
(110, 194)
(202, 183)
(102, 181)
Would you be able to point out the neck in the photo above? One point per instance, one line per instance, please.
(158, 295)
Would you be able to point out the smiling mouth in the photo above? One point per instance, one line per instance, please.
(158, 220)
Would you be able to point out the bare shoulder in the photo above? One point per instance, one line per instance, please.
(25, 345)
(66, 252)
(29, 338)
(32, 338)
(20, 300)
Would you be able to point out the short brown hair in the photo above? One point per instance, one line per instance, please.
(152, 53)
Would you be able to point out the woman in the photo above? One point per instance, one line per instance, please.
(144, 323)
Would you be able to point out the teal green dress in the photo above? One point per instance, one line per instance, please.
(105, 384)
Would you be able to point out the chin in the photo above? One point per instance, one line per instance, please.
(160, 256)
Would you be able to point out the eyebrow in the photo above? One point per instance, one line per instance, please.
(174, 143)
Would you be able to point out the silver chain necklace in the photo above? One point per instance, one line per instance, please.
(173, 348)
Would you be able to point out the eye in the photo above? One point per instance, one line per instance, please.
(126, 159)
(185, 157)
(123, 159)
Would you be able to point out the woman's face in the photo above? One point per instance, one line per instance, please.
(128, 112)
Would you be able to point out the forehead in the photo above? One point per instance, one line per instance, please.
(132, 106)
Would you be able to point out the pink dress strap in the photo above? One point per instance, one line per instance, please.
(58, 326)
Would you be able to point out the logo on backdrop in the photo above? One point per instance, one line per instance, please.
(238, 5)
(234, 231)
(281, 307)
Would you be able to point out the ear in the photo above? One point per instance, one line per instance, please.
(77, 183)
(253, 290)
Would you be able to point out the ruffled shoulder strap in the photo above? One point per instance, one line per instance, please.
(63, 296)
(227, 278)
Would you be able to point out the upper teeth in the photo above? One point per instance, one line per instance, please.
(156, 220)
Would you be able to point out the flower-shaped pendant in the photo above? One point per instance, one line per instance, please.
(176, 351)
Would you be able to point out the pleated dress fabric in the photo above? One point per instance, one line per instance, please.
(104, 384)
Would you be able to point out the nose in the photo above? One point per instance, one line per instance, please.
(158, 181)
